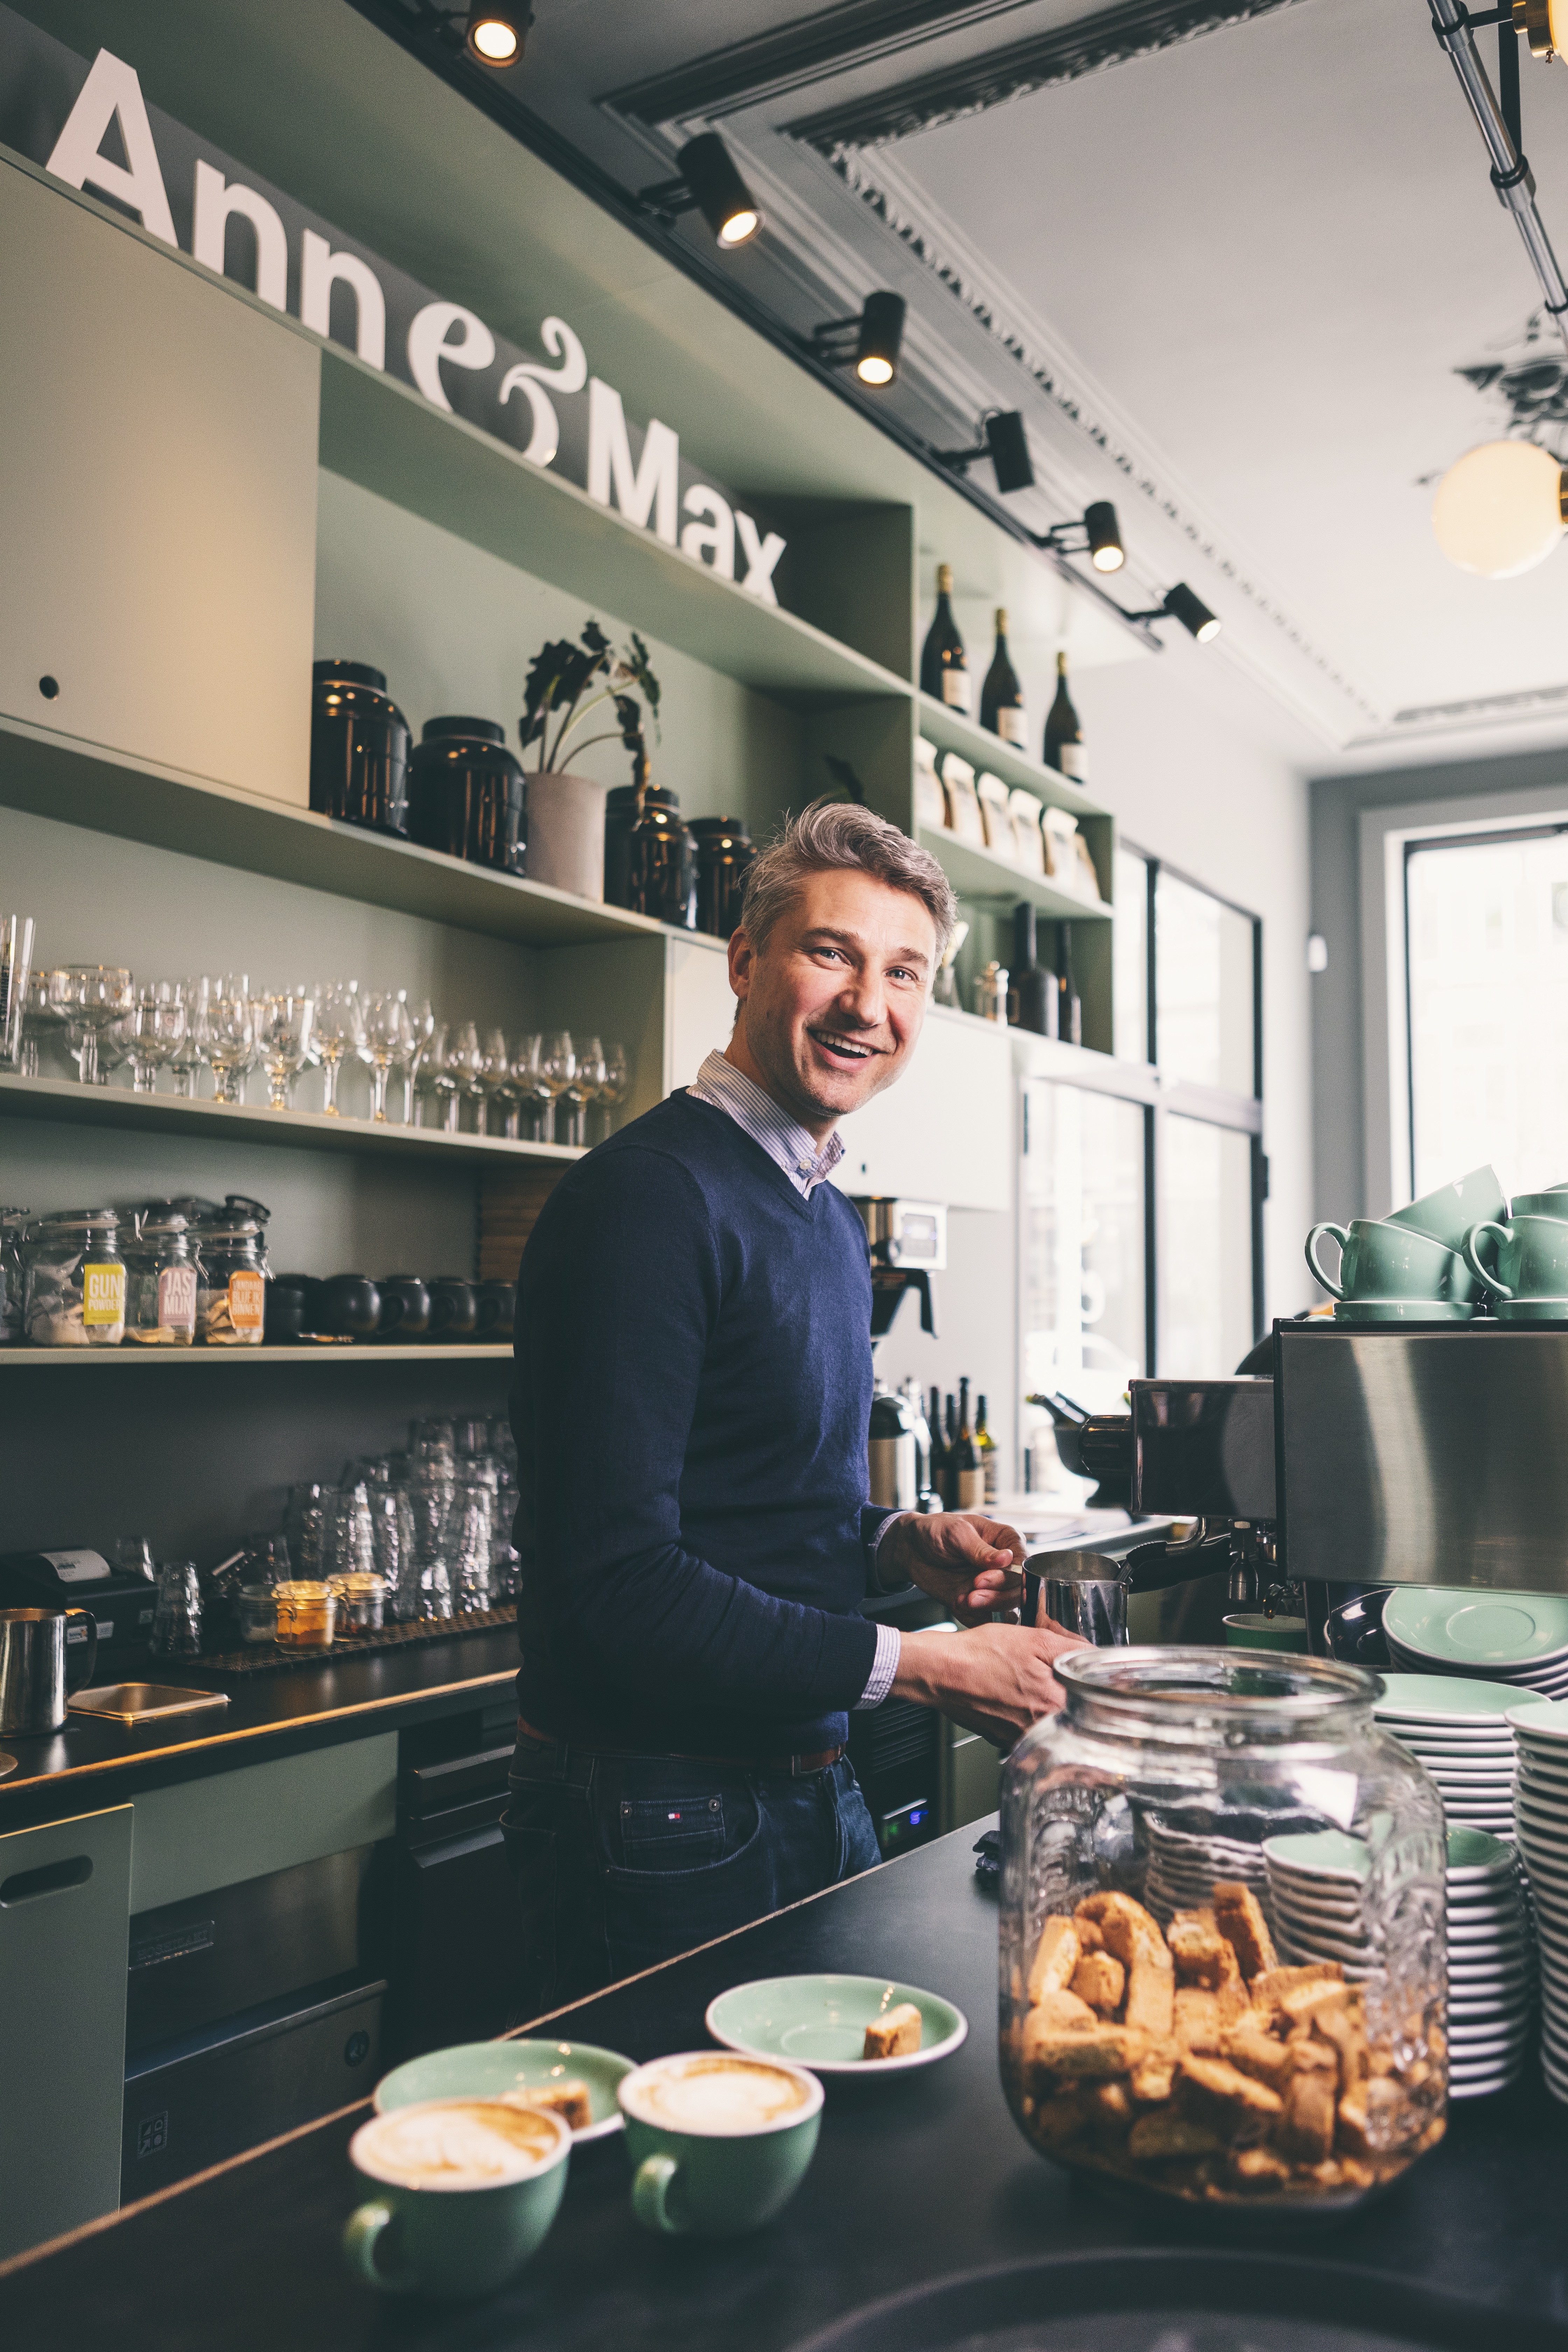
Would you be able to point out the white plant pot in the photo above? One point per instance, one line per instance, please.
(566, 833)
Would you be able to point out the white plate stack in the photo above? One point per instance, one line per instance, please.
(1492, 1966)
(1314, 1886)
(1458, 1730)
(1517, 1638)
(1541, 1807)
(1183, 1865)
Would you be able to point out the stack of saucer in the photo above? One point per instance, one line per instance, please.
(1184, 1863)
(1458, 1730)
(1541, 1804)
(1315, 1888)
(1492, 1966)
(1514, 1638)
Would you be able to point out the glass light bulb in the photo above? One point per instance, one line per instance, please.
(494, 41)
(875, 371)
(1499, 510)
(739, 227)
(1209, 631)
(1108, 559)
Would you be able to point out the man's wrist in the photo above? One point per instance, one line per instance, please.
(889, 1569)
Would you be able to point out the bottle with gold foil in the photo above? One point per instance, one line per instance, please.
(944, 666)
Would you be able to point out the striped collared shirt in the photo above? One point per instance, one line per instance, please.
(790, 1146)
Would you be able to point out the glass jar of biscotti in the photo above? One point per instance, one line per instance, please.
(1223, 1959)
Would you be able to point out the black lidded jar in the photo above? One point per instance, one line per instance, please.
(724, 853)
(359, 748)
(466, 794)
(661, 861)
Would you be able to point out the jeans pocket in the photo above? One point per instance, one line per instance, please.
(672, 1833)
(652, 1914)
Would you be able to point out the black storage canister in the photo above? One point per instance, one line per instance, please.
(661, 863)
(359, 748)
(466, 794)
(724, 851)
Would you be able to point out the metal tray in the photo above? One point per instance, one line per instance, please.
(141, 1702)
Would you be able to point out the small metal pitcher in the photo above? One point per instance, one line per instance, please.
(33, 1682)
(1084, 1592)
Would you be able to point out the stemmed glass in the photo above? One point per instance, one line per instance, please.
(615, 1082)
(500, 1087)
(533, 1099)
(283, 1034)
(155, 1027)
(418, 1029)
(387, 1035)
(582, 1090)
(466, 1060)
(188, 1055)
(89, 996)
(444, 1079)
(557, 1069)
(228, 1041)
(340, 1029)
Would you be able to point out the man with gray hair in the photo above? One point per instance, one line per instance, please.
(691, 1406)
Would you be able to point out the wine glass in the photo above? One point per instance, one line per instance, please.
(557, 1069)
(583, 1089)
(155, 1027)
(444, 1080)
(89, 996)
(615, 1082)
(228, 1042)
(387, 1034)
(500, 1087)
(533, 1099)
(340, 1029)
(188, 1055)
(420, 1028)
(283, 1034)
(466, 1059)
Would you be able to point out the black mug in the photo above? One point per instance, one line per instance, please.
(284, 1311)
(351, 1306)
(307, 1288)
(404, 1307)
(497, 1311)
(454, 1309)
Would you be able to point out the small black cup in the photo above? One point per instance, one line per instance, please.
(404, 1307)
(285, 1315)
(307, 1288)
(453, 1307)
(351, 1306)
(495, 1303)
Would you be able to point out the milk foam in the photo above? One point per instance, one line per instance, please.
(723, 2096)
(463, 2144)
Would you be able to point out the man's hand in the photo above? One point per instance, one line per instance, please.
(973, 1565)
(996, 1679)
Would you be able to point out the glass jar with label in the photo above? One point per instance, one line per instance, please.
(74, 1289)
(161, 1281)
(231, 1288)
(13, 1224)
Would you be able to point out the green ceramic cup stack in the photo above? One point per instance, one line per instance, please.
(1412, 1266)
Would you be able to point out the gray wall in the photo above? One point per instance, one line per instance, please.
(1339, 1154)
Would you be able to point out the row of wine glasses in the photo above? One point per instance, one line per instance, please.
(450, 1074)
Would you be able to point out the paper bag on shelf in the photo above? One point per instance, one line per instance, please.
(992, 794)
(964, 821)
(930, 804)
(1029, 842)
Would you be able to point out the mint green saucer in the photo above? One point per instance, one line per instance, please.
(1420, 1700)
(498, 2070)
(1477, 1629)
(1532, 1311)
(1320, 1854)
(1404, 1310)
(820, 2022)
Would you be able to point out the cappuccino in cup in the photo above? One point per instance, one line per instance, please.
(718, 2143)
(466, 2192)
(455, 2144)
(723, 2096)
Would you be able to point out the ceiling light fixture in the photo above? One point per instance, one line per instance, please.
(707, 181)
(496, 36)
(1005, 444)
(1179, 604)
(1502, 510)
(1541, 21)
(1098, 535)
(1544, 25)
(869, 342)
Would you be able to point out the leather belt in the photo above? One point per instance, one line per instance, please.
(796, 1766)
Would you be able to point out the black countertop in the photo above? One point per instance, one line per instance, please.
(915, 2178)
(277, 1713)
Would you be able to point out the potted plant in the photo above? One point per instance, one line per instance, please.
(567, 686)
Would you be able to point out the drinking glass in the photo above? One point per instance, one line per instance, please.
(533, 1095)
(557, 1069)
(466, 1062)
(444, 1082)
(134, 1557)
(309, 1507)
(90, 996)
(177, 1612)
(40, 1021)
(501, 1091)
(396, 1558)
(418, 1026)
(283, 1034)
(228, 1044)
(584, 1087)
(114, 1043)
(15, 963)
(155, 1027)
(340, 1030)
(189, 1054)
(387, 1035)
(615, 1084)
(472, 1553)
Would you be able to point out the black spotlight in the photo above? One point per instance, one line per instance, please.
(709, 183)
(1005, 444)
(496, 36)
(869, 342)
(1181, 604)
(1096, 535)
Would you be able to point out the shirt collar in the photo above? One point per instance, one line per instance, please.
(787, 1144)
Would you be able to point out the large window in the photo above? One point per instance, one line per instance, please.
(1141, 1207)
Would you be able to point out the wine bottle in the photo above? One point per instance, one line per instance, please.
(1002, 709)
(944, 667)
(950, 1466)
(1065, 748)
(1032, 993)
(915, 1401)
(938, 1471)
(969, 1481)
(986, 1446)
(1069, 1007)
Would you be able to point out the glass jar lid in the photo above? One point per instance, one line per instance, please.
(478, 730)
(302, 1589)
(1209, 1695)
(350, 673)
(356, 1584)
(69, 1221)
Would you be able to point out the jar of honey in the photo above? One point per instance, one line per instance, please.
(307, 1614)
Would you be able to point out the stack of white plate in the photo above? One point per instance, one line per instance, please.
(1184, 1863)
(1541, 1805)
(1460, 1731)
(1492, 1966)
(1517, 1638)
(1315, 1881)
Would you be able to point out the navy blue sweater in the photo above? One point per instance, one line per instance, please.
(692, 1397)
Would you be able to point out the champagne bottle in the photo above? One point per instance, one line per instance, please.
(1069, 1007)
(969, 1480)
(1065, 748)
(1002, 709)
(944, 667)
(938, 1471)
(1032, 994)
(986, 1446)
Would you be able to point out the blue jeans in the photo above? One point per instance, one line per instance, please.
(623, 1860)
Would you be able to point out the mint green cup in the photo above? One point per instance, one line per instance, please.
(1552, 1203)
(1447, 1214)
(1260, 1632)
(1527, 1268)
(456, 2237)
(730, 2171)
(1380, 1259)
